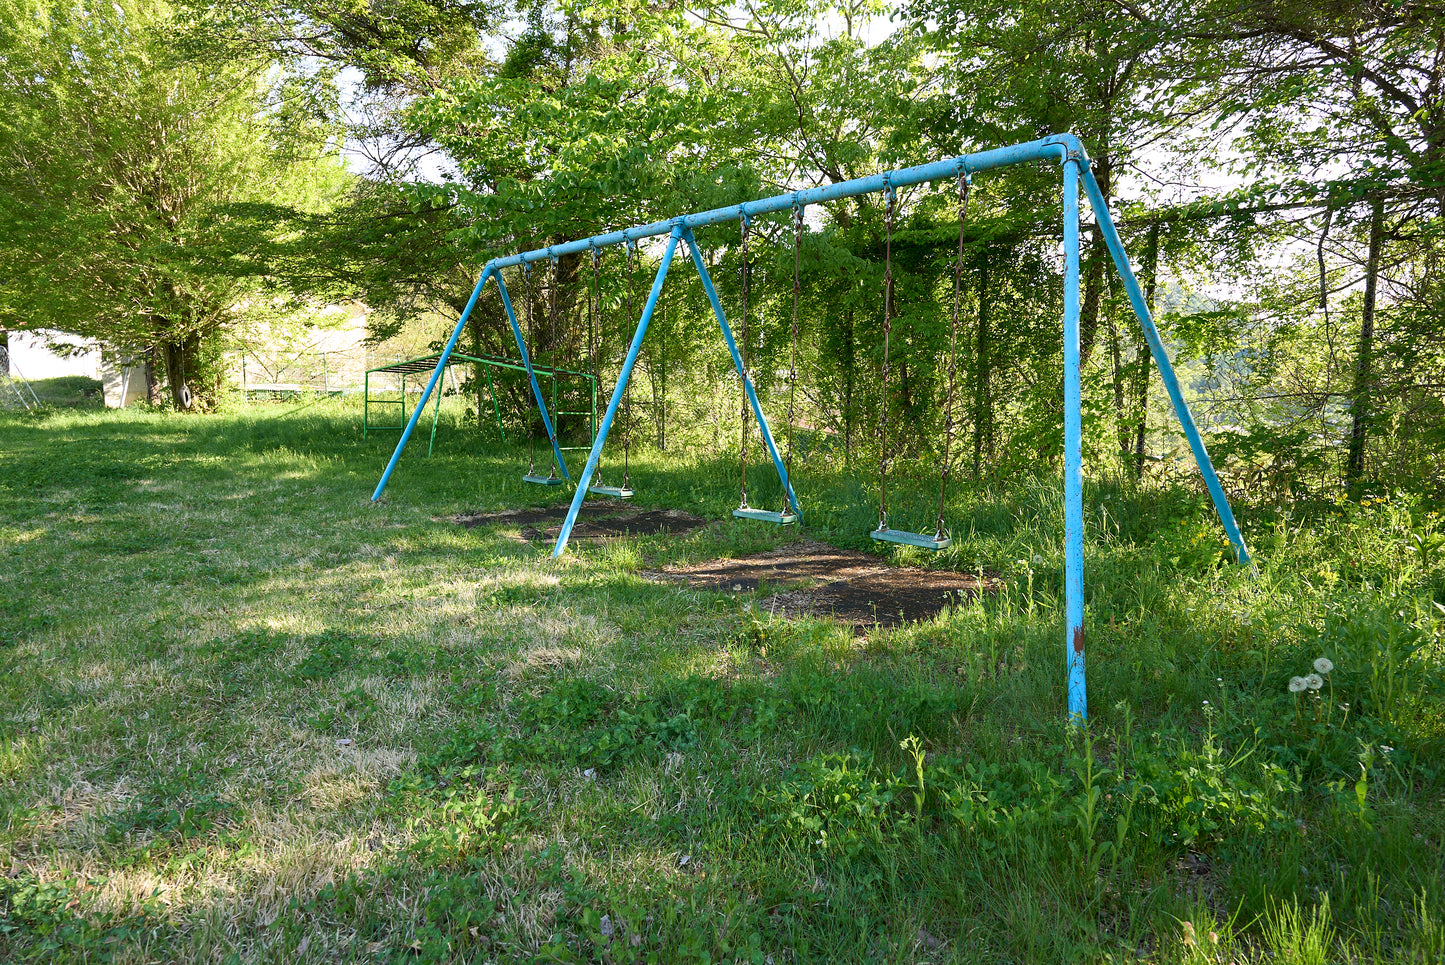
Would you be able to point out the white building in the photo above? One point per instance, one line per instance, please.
(328, 356)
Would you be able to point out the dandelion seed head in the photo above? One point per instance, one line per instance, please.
(1296, 684)
(1324, 665)
(1314, 681)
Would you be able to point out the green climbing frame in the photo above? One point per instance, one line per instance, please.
(427, 363)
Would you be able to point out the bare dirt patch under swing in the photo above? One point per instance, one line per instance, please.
(815, 579)
(598, 519)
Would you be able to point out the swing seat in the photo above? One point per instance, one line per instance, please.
(616, 492)
(542, 480)
(911, 539)
(766, 516)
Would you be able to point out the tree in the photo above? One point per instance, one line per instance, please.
(120, 164)
(1344, 104)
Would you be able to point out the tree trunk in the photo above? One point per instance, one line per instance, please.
(1093, 267)
(661, 394)
(1146, 355)
(982, 364)
(153, 385)
(477, 376)
(180, 357)
(1360, 401)
(1121, 414)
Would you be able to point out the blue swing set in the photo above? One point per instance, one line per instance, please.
(1067, 150)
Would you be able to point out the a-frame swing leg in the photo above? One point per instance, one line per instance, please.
(1166, 368)
(536, 390)
(431, 384)
(1073, 453)
(764, 430)
(618, 391)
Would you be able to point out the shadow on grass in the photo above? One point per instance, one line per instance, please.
(230, 580)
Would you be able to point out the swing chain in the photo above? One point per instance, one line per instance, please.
(627, 392)
(746, 271)
(556, 266)
(594, 327)
(892, 197)
(531, 340)
(793, 359)
(965, 182)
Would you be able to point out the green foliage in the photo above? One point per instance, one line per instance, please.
(46, 912)
(119, 159)
(330, 654)
(461, 827)
(160, 814)
(578, 723)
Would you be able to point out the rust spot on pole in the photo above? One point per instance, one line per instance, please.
(1079, 640)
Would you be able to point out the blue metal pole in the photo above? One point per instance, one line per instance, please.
(437, 374)
(1044, 149)
(722, 321)
(1073, 452)
(1166, 368)
(531, 375)
(618, 391)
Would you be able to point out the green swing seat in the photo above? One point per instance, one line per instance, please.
(765, 515)
(882, 533)
(911, 539)
(616, 492)
(542, 480)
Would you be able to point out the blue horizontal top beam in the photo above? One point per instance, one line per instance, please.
(1055, 147)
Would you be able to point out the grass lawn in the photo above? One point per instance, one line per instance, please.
(248, 716)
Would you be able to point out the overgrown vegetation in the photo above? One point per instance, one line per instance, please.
(249, 716)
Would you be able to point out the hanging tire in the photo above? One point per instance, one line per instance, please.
(185, 397)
